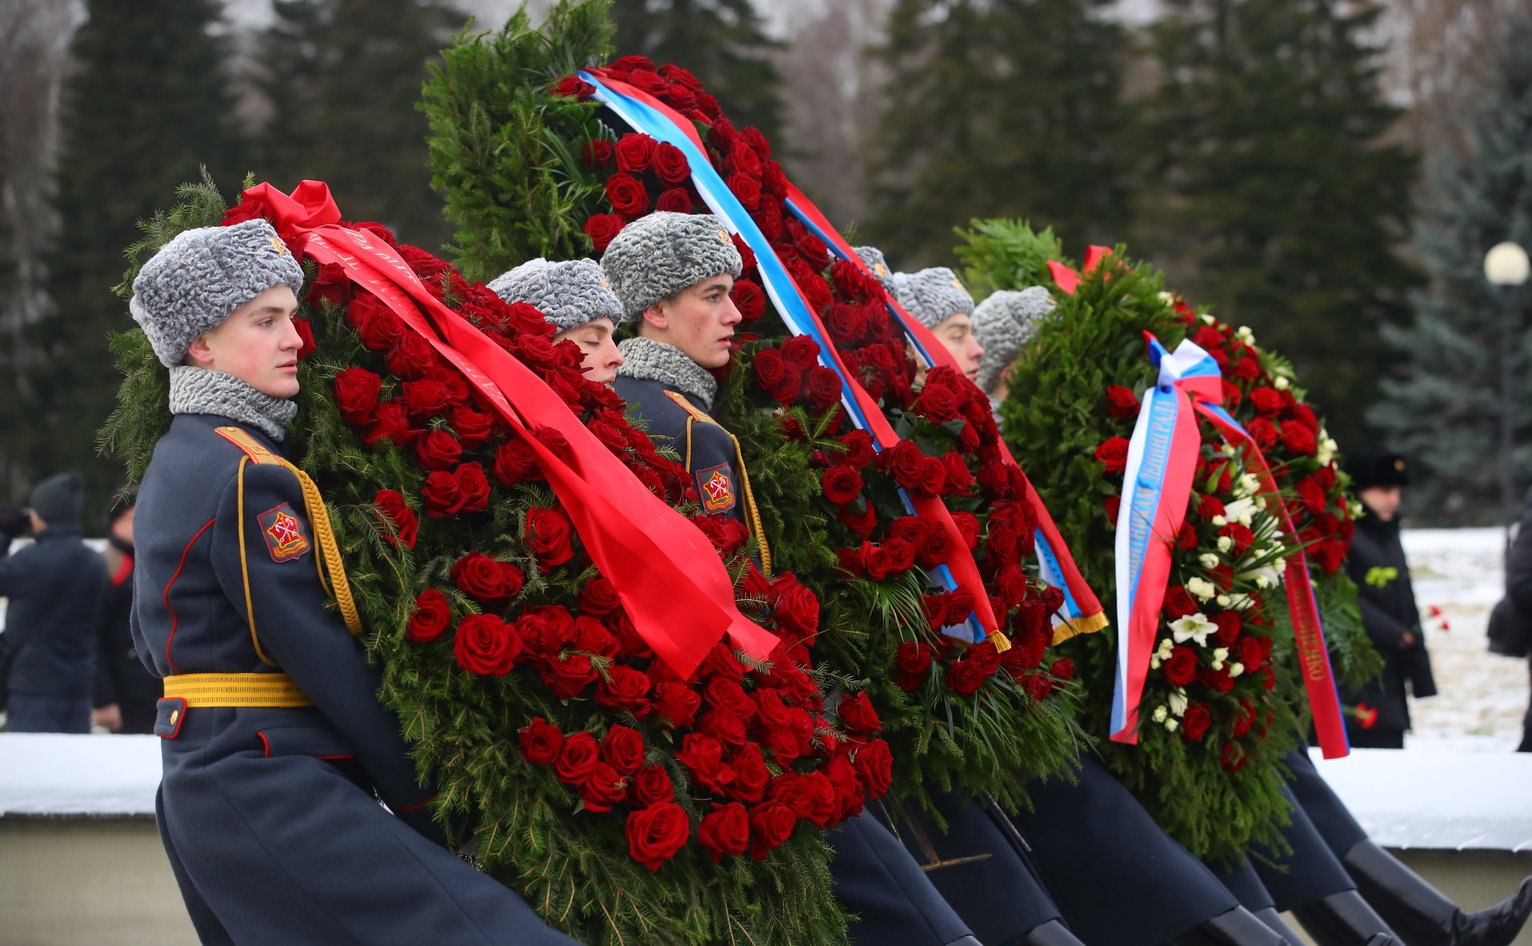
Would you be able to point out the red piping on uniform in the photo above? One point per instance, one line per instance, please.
(267, 752)
(418, 805)
(124, 571)
(173, 616)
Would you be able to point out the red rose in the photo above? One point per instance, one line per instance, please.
(627, 195)
(651, 785)
(749, 299)
(597, 152)
(515, 461)
(1113, 454)
(724, 830)
(441, 495)
(472, 487)
(1063, 669)
(1179, 603)
(634, 152)
(771, 824)
(602, 230)
(431, 617)
(487, 581)
(750, 773)
(1240, 535)
(842, 485)
(378, 328)
(823, 388)
(472, 427)
(577, 758)
(1196, 721)
(1232, 757)
(656, 833)
(875, 767)
(485, 645)
(400, 525)
(624, 688)
(859, 453)
(356, 395)
(801, 352)
(568, 675)
(670, 164)
(858, 715)
(796, 608)
(392, 422)
(1217, 679)
(426, 398)
(1110, 505)
(1121, 402)
(1266, 400)
(903, 462)
(1181, 668)
(965, 677)
(1229, 624)
(437, 450)
(747, 189)
(703, 757)
(603, 788)
(573, 87)
(1299, 439)
(937, 402)
(1262, 432)
(412, 358)
(541, 741)
(677, 200)
(548, 533)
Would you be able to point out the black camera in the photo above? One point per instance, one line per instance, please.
(15, 521)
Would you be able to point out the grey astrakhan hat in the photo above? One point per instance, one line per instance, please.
(657, 256)
(872, 257)
(192, 284)
(932, 295)
(1004, 323)
(569, 293)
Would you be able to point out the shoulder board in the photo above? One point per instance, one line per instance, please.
(691, 409)
(251, 447)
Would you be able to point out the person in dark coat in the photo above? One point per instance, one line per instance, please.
(674, 273)
(55, 588)
(125, 691)
(275, 748)
(1376, 563)
(1518, 589)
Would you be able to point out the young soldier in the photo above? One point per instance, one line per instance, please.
(673, 273)
(276, 749)
(939, 301)
(1003, 324)
(577, 300)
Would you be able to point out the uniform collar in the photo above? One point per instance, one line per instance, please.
(650, 360)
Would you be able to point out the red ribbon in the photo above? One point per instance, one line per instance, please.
(667, 574)
(1069, 280)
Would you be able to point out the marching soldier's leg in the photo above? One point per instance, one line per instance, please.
(1243, 881)
(875, 878)
(978, 867)
(210, 932)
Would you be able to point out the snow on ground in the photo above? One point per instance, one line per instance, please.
(1481, 696)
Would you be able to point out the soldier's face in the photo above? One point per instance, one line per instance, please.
(257, 343)
(602, 359)
(956, 333)
(699, 320)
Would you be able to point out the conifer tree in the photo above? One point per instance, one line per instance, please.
(1444, 407)
(147, 104)
(1006, 108)
(1274, 196)
(723, 42)
(343, 78)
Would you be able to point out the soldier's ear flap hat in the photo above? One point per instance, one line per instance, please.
(569, 293)
(932, 295)
(1375, 466)
(657, 256)
(1004, 323)
(192, 284)
(872, 257)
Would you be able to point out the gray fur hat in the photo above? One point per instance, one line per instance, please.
(59, 499)
(657, 256)
(873, 258)
(194, 282)
(1004, 323)
(569, 293)
(932, 295)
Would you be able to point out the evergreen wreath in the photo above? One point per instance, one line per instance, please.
(514, 129)
(1224, 700)
(624, 802)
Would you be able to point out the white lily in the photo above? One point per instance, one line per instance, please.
(1178, 702)
(1193, 627)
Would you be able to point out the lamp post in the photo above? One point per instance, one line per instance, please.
(1506, 266)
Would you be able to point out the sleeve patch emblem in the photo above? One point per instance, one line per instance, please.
(284, 533)
(715, 486)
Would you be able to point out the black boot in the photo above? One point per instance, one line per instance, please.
(1052, 933)
(1422, 914)
(1274, 920)
(1344, 919)
(1236, 927)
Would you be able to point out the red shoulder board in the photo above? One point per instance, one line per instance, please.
(284, 533)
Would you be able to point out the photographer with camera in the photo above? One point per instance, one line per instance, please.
(55, 588)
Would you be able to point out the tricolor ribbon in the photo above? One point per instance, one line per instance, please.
(646, 114)
(1157, 484)
(1081, 611)
(671, 582)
